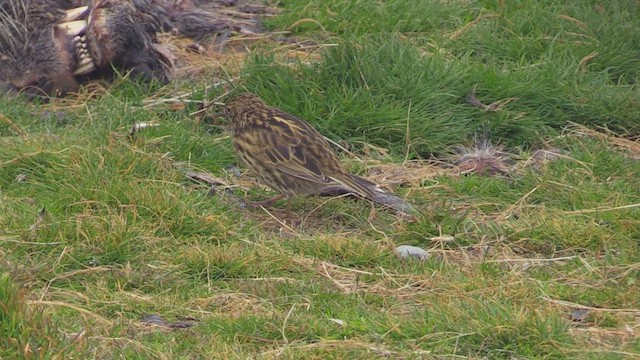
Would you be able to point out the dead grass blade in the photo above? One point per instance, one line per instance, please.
(629, 145)
(457, 33)
(70, 306)
(599, 210)
(13, 125)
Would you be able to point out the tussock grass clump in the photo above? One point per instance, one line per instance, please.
(383, 91)
(549, 64)
(355, 17)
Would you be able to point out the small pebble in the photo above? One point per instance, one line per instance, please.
(579, 315)
(405, 252)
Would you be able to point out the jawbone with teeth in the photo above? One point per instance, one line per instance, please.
(48, 51)
(73, 28)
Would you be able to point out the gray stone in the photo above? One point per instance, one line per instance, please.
(406, 252)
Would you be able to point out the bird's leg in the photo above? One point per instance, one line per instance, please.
(290, 219)
(265, 203)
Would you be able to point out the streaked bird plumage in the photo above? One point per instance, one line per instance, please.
(290, 156)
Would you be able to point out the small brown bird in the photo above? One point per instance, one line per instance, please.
(293, 158)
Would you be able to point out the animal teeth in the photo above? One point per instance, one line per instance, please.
(75, 14)
(86, 66)
(84, 61)
(73, 28)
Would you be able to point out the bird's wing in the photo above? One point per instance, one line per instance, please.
(298, 150)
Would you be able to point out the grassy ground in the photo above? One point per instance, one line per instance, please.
(100, 227)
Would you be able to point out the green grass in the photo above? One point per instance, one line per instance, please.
(534, 52)
(124, 233)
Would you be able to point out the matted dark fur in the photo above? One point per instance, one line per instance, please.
(50, 47)
(40, 55)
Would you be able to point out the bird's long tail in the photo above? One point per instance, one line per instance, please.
(373, 192)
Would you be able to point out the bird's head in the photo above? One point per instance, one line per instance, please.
(239, 104)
